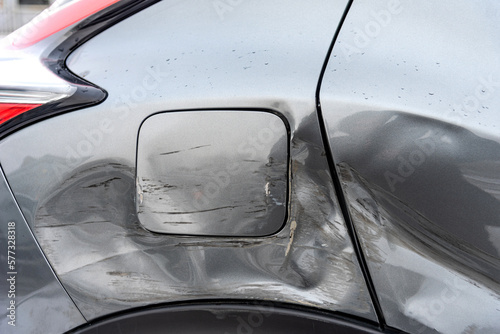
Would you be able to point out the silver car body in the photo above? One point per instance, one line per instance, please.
(411, 114)
(383, 201)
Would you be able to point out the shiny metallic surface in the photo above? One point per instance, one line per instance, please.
(25, 80)
(27, 96)
(74, 175)
(212, 173)
(410, 100)
(32, 299)
(109, 262)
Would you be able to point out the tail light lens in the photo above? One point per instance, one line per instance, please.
(30, 77)
(26, 84)
(11, 110)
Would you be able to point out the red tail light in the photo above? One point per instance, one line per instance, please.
(11, 110)
(34, 80)
(26, 84)
(25, 81)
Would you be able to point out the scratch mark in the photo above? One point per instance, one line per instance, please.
(293, 226)
(189, 149)
(140, 193)
(118, 273)
(104, 183)
(172, 152)
(194, 148)
(73, 224)
(255, 211)
(207, 210)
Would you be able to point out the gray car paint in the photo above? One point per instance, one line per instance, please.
(32, 298)
(74, 175)
(410, 101)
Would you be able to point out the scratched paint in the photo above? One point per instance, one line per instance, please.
(108, 262)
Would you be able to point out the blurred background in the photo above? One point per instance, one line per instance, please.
(15, 13)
